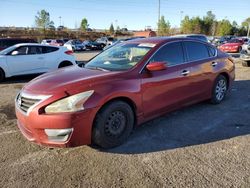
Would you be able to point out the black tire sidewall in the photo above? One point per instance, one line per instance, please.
(214, 99)
(99, 136)
(2, 75)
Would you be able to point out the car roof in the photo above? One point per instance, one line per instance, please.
(185, 35)
(32, 44)
(160, 40)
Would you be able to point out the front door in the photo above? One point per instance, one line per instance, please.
(165, 90)
(26, 61)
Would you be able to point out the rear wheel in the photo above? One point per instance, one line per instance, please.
(246, 63)
(113, 124)
(219, 90)
(64, 64)
(2, 75)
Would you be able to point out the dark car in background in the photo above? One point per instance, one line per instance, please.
(92, 45)
(7, 42)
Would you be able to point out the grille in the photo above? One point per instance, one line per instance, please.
(25, 103)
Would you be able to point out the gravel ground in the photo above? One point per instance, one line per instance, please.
(200, 146)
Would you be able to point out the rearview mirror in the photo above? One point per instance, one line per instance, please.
(156, 66)
(14, 53)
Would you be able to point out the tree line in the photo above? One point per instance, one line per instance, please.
(207, 25)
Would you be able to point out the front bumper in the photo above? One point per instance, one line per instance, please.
(245, 57)
(34, 124)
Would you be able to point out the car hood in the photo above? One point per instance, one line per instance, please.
(66, 79)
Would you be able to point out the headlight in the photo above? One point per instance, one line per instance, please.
(72, 103)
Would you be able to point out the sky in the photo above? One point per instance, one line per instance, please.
(132, 14)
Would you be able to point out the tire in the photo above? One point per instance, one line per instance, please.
(2, 75)
(64, 64)
(220, 89)
(113, 124)
(240, 48)
(246, 63)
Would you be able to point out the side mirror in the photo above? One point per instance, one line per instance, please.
(14, 53)
(156, 66)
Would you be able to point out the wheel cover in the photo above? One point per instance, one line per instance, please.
(115, 124)
(220, 89)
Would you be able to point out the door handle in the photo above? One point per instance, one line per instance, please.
(40, 58)
(214, 64)
(185, 72)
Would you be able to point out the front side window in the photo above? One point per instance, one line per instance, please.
(196, 51)
(22, 50)
(120, 57)
(171, 54)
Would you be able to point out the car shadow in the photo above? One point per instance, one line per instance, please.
(19, 79)
(198, 124)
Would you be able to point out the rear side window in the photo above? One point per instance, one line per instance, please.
(171, 53)
(196, 51)
(49, 49)
(35, 50)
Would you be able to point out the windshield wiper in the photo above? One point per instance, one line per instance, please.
(97, 68)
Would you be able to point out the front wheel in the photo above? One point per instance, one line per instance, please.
(113, 124)
(219, 90)
(2, 75)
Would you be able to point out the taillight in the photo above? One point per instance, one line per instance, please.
(69, 52)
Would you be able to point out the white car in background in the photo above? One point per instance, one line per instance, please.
(75, 45)
(28, 58)
(46, 41)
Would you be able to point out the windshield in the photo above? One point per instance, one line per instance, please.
(7, 50)
(234, 41)
(120, 57)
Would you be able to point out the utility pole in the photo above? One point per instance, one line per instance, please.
(181, 16)
(159, 11)
(60, 18)
(159, 14)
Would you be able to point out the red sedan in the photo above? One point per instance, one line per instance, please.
(232, 46)
(120, 88)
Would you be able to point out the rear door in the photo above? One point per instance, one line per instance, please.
(51, 57)
(203, 62)
(168, 89)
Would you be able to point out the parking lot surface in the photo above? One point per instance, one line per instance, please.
(202, 145)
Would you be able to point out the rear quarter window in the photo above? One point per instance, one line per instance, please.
(49, 49)
(211, 51)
